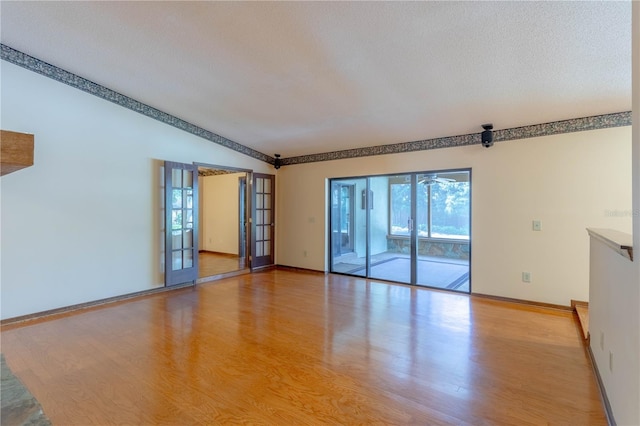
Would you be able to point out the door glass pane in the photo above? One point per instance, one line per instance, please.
(187, 258)
(176, 219)
(188, 199)
(259, 251)
(176, 199)
(188, 214)
(267, 201)
(267, 232)
(400, 207)
(176, 264)
(267, 248)
(187, 179)
(450, 206)
(259, 233)
(267, 217)
(259, 185)
(177, 239)
(176, 178)
(187, 239)
(259, 203)
(348, 226)
(390, 229)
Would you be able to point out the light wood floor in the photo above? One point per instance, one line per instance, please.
(211, 264)
(294, 348)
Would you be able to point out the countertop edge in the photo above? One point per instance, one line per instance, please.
(620, 242)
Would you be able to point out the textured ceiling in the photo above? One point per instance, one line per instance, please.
(311, 77)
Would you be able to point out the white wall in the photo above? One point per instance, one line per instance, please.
(567, 181)
(83, 223)
(220, 213)
(613, 326)
(379, 215)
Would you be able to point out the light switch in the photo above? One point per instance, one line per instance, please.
(537, 225)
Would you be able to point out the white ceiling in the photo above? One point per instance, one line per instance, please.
(298, 78)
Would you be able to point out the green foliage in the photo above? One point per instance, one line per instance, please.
(449, 203)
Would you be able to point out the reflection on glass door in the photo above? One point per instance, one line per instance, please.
(181, 223)
(412, 228)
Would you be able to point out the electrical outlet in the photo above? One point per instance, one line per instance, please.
(537, 225)
(304, 253)
(526, 277)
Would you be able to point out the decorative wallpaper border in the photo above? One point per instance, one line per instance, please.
(36, 65)
(214, 172)
(618, 119)
(566, 126)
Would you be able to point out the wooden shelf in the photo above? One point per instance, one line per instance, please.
(16, 151)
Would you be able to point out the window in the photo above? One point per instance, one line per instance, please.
(442, 206)
(450, 210)
(400, 208)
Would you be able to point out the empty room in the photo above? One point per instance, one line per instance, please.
(289, 213)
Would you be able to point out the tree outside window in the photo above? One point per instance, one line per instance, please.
(449, 209)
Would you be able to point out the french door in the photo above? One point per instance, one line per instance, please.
(411, 228)
(181, 222)
(263, 222)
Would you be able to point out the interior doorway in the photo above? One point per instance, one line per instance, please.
(223, 222)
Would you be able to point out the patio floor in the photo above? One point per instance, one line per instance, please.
(438, 272)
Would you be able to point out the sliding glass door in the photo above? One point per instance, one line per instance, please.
(390, 259)
(411, 228)
(444, 230)
(348, 226)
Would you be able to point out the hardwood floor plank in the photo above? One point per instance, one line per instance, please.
(288, 347)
